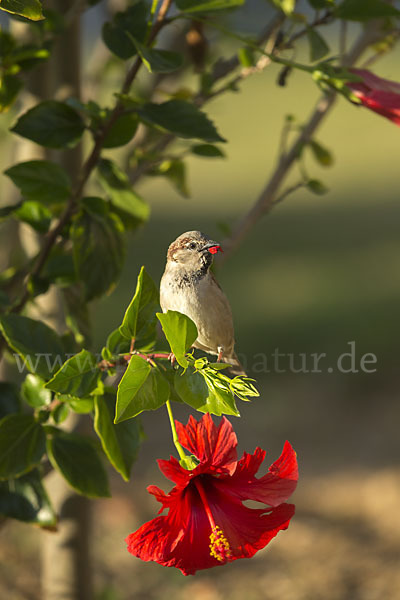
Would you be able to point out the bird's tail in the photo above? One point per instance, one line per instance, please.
(236, 368)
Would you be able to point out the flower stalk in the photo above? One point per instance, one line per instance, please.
(178, 446)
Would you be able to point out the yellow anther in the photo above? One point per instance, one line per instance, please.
(219, 545)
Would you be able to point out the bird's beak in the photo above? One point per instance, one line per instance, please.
(213, 247)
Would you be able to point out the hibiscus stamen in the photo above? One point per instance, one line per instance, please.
(219, 545)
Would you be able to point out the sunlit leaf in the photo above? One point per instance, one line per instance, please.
(34, 392)
(200, 393)
(141, 388)
(77, 377)
(180, 332)
(193, 6)
(139, 320)
(30, 9)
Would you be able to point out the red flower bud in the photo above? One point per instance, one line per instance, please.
(380, 95)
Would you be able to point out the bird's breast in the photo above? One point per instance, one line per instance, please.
(204, 302)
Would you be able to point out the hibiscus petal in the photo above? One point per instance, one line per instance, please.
(386, 104)
(374, 82)
(173, 471)
(212, 445)
(180, 539)
(273, 489)
(246, 529)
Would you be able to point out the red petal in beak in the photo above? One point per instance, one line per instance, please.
(215, 249)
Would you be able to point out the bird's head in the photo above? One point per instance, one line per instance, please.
(193, 251)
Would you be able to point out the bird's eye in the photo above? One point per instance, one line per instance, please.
(192, 245)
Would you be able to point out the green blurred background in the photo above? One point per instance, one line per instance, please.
(317, 273)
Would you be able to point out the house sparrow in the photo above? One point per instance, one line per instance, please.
(189, 287)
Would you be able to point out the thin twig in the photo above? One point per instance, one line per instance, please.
(223, 67)
(88, 167)
(267, 197)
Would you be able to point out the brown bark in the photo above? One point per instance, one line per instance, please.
(66, 569)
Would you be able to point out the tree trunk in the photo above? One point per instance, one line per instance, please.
(66, 569)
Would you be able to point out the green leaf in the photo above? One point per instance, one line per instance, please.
(38, 345)
(364, 10)
(180, 332)
(76, 458)
(99, 247)
(118, 34)
(286, 6)
(22, 445)
(28, 56)
(7, 43)
(30, 9)
(318, 47)
(175, 171)
(141, 388)
(122, 131)
(201, 393)
(35, 214)
(117, 344)
(9, 399)
(207, 150)
(7, 211)
(246, 57)
(321, 154)
(77, 377)
(82, 406)
(41, 181)
(318, 4)
(117, 186)
(77, 314)
(120, 442)
(10, 85)
(159, 61)
(34, 392)
(180, 118)
(139, 320)
(59, 267)
(317, 187)
(60, 413)
(51, 124)
(26, 499)
(194, 6)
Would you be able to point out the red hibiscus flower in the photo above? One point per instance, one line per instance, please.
(380, 95)
(207, 524)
